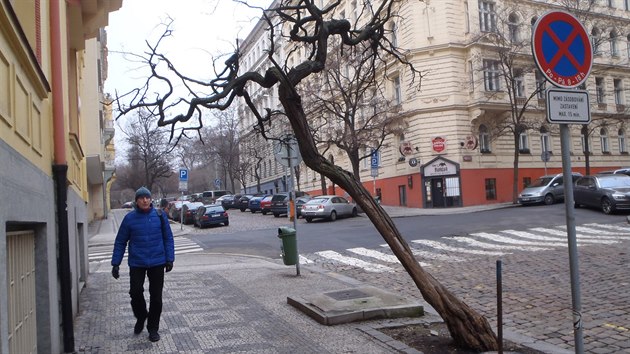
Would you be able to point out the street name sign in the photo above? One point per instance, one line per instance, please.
(562, 49)
(566, 106)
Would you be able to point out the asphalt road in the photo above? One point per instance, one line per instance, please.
(256, 234)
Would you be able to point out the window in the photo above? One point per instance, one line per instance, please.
(491, 75)
(622, 141)
(393, 38)
(397, 91)
(541, 84)
(603, 139)
(487, 16)
(614, 48)
(513, 28)
(545, 139)
(626, 5)
(467, 16)
(519, 83)
(471, 75)
(610, 3)
(491, 188)
(618, 91)
(599, 89)
(523, 143)
(484, 139)
(527, 181)
(595, 40)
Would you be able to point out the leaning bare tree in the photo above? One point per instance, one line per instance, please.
(303, 23)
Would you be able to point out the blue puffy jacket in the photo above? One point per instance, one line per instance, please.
(150, 244)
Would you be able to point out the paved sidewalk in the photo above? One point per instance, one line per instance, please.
(221, 303)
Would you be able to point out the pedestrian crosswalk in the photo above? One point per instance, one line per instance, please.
(104, 253)
(462, 248)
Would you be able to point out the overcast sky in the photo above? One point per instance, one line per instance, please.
(203, 29)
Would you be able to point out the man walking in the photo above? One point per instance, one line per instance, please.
(151, 253)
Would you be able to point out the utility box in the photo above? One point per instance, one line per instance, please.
(289, 245)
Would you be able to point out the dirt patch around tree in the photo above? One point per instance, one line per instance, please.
(434, 338)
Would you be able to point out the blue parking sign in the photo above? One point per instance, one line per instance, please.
(374, 159)
(183, 175)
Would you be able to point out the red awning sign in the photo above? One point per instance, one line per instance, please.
(562, 49)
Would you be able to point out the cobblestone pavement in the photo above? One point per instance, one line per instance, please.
(536, 292)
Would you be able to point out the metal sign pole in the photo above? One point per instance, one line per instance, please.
(565, 140)
(292, 203)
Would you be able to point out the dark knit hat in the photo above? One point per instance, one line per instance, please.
(143, 192)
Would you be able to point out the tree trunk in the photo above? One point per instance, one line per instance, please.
(467, 328)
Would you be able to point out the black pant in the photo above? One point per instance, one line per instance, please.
(138, 304)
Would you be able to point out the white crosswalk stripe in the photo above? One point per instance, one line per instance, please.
(355, 262)
(447, 249)
(182, 246)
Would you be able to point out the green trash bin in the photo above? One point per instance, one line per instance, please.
(289, 245)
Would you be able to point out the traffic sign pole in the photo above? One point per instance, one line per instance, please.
(562, 50)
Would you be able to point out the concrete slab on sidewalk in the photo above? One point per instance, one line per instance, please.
(355, 304)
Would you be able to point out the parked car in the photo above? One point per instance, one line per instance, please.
(280, 203)
(230, 201)
(608, 192)
(265, 205)
(189, 210)
(210, 197)
(253, 204)
(329, 207)
(175, 210)
(546, 189)
(212, 214)
(127, 205)
(625, 171)
(243, 202)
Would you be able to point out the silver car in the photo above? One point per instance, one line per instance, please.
(328, 207)
(546, 189)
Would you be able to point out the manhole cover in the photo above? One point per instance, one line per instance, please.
(347, 294)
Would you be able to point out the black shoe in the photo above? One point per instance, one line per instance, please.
(154, 336)
(137, 329)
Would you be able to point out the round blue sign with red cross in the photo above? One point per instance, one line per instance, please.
(562, 49)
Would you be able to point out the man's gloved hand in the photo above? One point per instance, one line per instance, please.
(115, 272)
(169, 266)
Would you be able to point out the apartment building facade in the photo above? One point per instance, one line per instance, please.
(480, 110)
(50, 99)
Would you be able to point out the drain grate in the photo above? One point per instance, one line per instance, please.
(347, 294)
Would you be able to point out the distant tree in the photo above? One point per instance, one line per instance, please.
(348, 100)
(149, 153)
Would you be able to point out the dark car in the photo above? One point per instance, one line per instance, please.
(213, 214)
(265, 205)
(174, 211)
(230, 201)
(189, 210)
(609, 192)
(280, 203)
(243, 202)
(254, 203)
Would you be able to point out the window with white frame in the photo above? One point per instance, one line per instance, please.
(541, 84)
(397, 90)
(487, 16)
(513, 28)
(523, 143)
(621, 138)
(595, 41)
(394, 37)
(519, 83)
(467, 17)
(545, 139)
(626, 5)
(614, 47)
(603, 139)
(599, 89)
(471, 75)
(484, 139)
(618, 91)
(491, 75)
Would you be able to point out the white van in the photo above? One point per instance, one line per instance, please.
(546, 189)
(210, 197)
